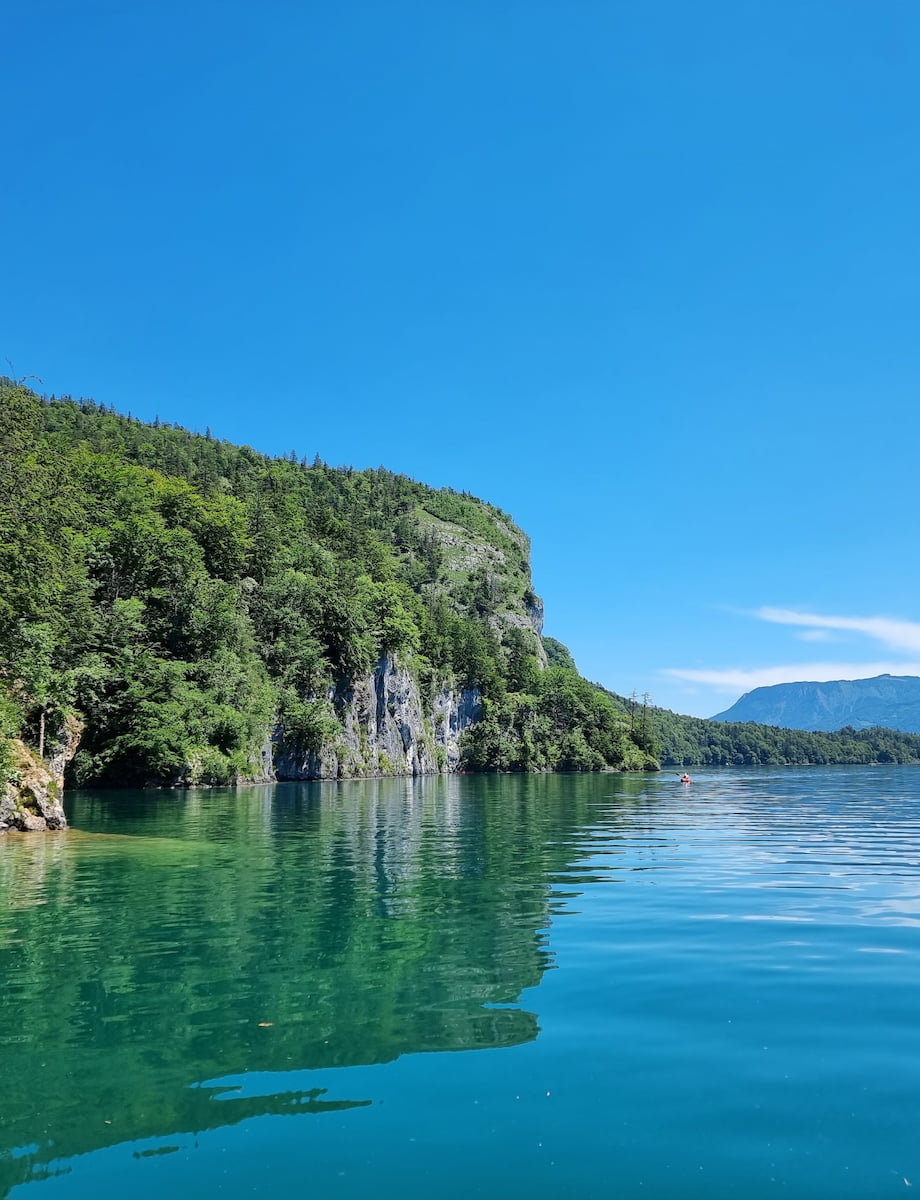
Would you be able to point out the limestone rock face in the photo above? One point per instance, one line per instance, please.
(467, 553)
(385, 727)
(529, 618)
(32, 800)
(455, 711)
(534, 607)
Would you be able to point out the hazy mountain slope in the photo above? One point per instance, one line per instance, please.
(889, 700)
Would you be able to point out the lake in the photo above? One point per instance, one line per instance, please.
(592, 986)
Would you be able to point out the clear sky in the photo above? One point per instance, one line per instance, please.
(643, 274)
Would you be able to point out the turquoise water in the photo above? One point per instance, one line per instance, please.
(592, 987)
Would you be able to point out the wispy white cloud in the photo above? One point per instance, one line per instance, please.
(902, 637)
(739, 679)
(895, 634)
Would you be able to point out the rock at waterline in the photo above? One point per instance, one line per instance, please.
(32, 799)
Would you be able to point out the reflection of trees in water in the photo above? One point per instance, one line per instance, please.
(272, 929)
(196, 1110)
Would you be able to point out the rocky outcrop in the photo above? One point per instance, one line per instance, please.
(384, 726)
(533, 606)
(456, 710)
(463, 550)
(30, 800)
(467, 553)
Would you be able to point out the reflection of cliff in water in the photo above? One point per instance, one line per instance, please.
(212, 934)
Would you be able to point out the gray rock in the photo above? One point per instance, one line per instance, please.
(384, 726)
(32, 800)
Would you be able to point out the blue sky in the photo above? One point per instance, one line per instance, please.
(643, 274)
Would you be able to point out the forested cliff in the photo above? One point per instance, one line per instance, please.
(208, 614)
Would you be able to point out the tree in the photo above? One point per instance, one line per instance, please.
(41, 684)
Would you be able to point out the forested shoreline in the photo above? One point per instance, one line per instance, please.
(207, 614)
(694, 741)
(199, 605)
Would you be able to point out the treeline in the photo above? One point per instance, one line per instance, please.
(184, 596)
(691, 741)
(557, 721)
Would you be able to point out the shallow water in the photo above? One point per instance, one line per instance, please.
(508, 987)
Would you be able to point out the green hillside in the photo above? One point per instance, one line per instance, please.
(210, 615)
(199, 606)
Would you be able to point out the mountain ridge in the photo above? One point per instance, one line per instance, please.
(892, 701)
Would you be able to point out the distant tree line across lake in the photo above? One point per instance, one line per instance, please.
(693, 741)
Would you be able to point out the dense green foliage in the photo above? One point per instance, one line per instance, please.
(560, 722)
(558, 655)
(691, 741)
(185, 595)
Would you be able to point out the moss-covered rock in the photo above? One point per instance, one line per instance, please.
(31, 796)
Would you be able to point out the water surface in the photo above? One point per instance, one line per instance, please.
(508, 987)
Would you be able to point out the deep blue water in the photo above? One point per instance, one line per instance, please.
(509, 987)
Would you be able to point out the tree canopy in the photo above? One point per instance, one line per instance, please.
(187, 596)
(190, 599)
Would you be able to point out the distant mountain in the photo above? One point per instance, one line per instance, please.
(889, 700)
